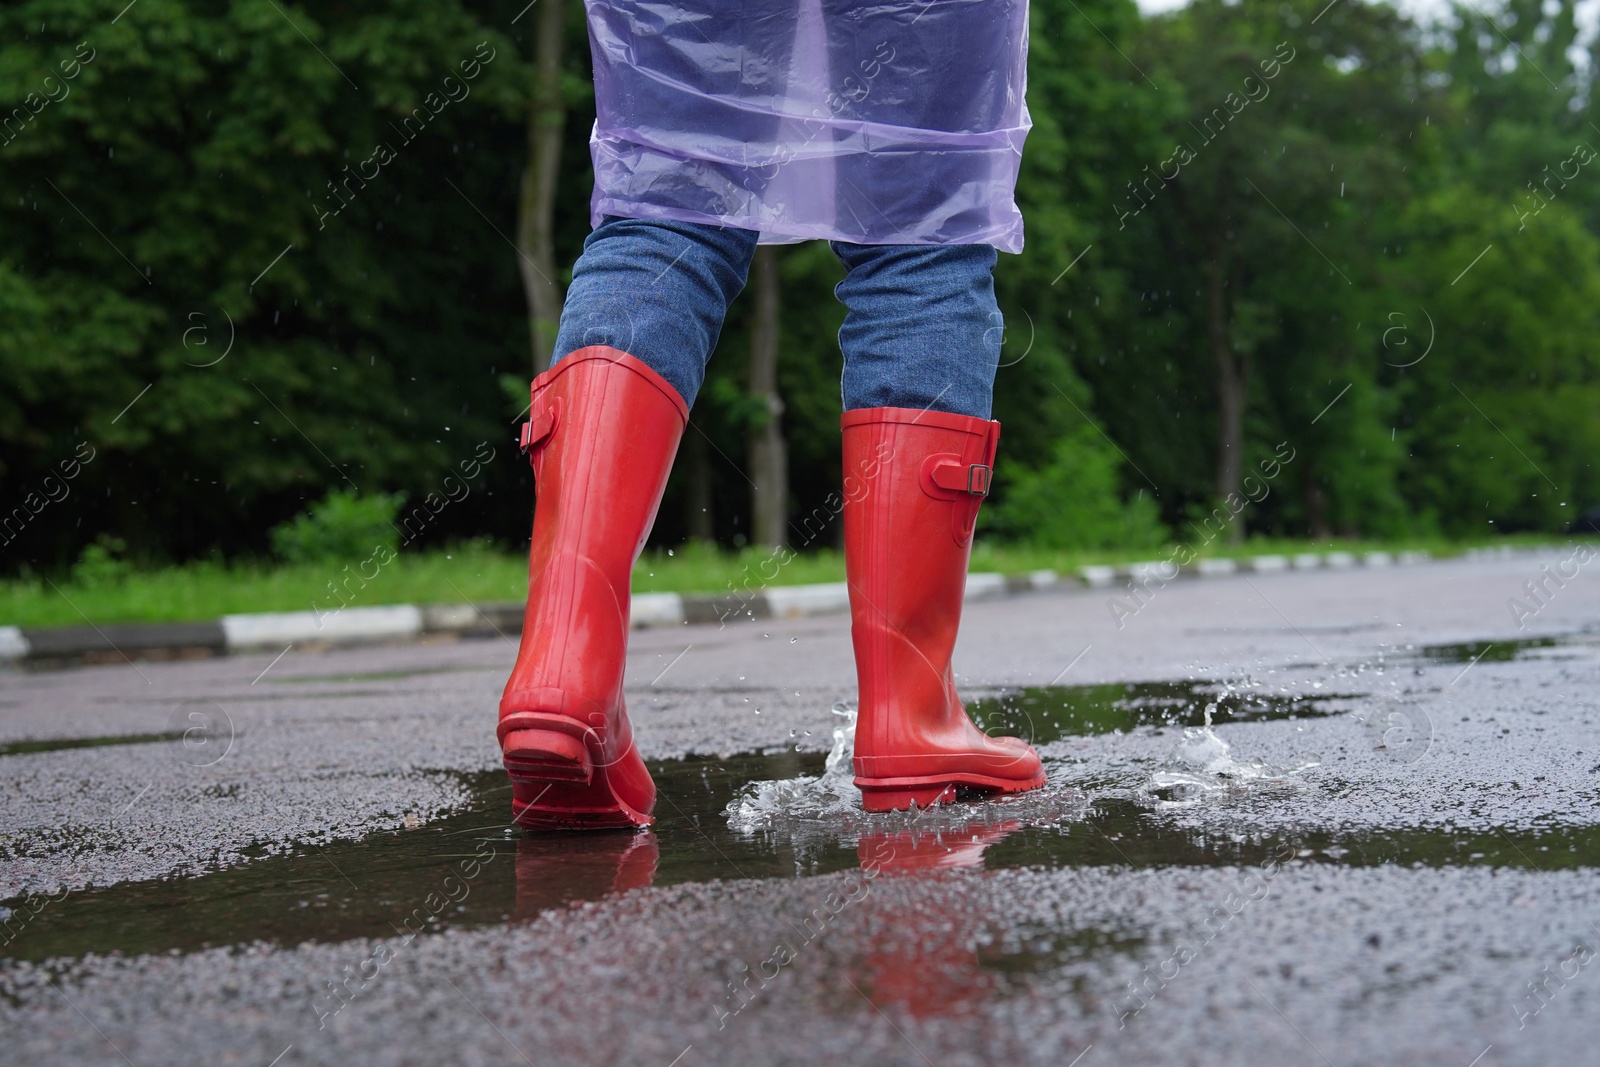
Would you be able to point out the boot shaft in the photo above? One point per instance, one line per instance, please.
(602, 433)
(914, 481)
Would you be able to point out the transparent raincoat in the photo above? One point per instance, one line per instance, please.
(866, 121)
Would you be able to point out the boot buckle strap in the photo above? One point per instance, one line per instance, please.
(540, 426)
(971, 478)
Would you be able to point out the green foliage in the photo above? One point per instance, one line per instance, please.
(178, 205)
(206, 589)
(478, 573)
(1505, 424)
(192, 283)
(102, 564)
(1074, 500)
(345, 525)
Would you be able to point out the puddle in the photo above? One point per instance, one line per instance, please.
(369, 887)
(1034, 949)
(1046, 713)
(1502, 651)
(768, 816)
(22, 748)
(1127, 832)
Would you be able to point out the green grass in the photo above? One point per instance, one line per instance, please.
(479, 574)
(205, 590)
(1013, 559)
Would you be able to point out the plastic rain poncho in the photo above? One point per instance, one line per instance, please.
(880, 122)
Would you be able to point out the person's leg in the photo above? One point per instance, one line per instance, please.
(921, 343)
(604, 422)
(921, 328)
(657, 291)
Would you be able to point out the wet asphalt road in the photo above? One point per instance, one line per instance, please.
(304, 860)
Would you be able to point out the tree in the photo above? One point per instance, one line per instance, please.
(1285, 156)
(213, 183)
(1503, 417)
(536, 202)
(252, 253)
(769, 467)
(1066, 300)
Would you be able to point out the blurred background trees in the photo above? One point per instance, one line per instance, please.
(1384, 255)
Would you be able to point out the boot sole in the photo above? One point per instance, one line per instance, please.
(899, 794)
(570, 792)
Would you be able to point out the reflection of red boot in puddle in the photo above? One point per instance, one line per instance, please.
(912, 850)
(555, 870)
(924, 961)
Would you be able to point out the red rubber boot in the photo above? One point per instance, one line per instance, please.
(913, 483)
(602, 432)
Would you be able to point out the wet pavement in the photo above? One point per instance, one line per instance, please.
(1383, 849)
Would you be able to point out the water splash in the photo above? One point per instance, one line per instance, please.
(762, 806)
(1202, 764)
(812, 809)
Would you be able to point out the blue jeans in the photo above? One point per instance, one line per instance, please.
(921, 328)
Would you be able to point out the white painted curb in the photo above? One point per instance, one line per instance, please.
(980, 586)
(276, 629)
(1098, 577)
(1158, 571)
(12, 644)
(347, 624)
(795, 601)
(450, 617)
(656, 609)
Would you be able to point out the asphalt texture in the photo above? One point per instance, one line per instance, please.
(305, 859)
